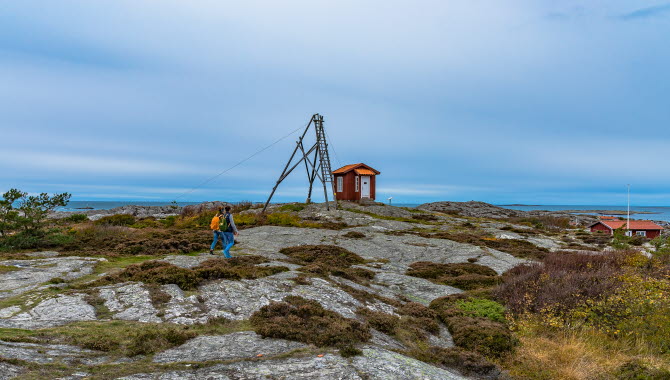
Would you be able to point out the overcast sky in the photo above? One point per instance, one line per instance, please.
(539, 102)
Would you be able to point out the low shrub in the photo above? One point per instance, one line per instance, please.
(325, 260)
(561, 282)
(465, 276)
(636, 370)
(307, 321)
(295, 207)
(415, 309)
(76, 218)
(543, 222)
(354, 235)
(163, 273)
(481, 335)
(467, 362)
(283, 219)
(476, 324)
(116, 220)
(386, 323)
(515, 247)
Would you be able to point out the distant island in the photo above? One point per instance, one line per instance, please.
(609, 212)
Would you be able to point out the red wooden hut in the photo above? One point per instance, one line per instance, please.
(355, 182)
(645, 228)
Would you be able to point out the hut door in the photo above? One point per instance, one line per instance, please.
(365, 186)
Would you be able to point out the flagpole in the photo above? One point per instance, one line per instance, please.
(628, 214)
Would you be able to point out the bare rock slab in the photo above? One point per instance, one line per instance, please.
(56, 311)
(49, 353)
(240, 345)
(327, 367)
(382, 364)
(130, 302)
(30, 274)
(9, 371)
(374, 364)
(417, 289)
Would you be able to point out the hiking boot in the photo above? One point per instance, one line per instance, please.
(211, 251)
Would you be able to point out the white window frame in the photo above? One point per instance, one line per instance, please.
(641, 233)
(340, 184)
(357, 183)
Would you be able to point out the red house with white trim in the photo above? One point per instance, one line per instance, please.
(355, 182)
(645, 228)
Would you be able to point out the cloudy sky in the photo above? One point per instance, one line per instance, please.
(539, 102)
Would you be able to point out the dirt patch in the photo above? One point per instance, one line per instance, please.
(464, 276)
(307, 321)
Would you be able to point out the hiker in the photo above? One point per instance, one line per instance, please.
(215, 225)
(224, 228)
(229, 232)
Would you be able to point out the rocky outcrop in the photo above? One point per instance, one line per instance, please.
(159, 212)
(485, 210)
(375, 363)
(56, 311)
(130, 302)
(31, 274)
(49, 353)
(240, 345)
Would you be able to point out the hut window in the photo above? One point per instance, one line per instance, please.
(641, 233)
(339, 184)
(356, 181)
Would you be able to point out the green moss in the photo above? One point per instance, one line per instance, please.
(480, 307)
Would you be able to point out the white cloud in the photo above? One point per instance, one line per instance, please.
(91, 164)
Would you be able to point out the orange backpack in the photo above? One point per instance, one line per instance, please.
(215, 223)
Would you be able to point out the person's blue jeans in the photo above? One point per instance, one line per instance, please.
(218, 235)
(229, 241)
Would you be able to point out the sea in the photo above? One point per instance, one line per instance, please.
(655, 212)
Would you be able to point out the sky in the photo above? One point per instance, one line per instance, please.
(535, 102)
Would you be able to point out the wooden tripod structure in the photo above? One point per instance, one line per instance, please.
(316, 159)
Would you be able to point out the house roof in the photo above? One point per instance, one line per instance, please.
(634, 224)
(364, 172)
(347, 168)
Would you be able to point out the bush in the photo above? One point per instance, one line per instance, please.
(325, 260)
(162, 273)
(473, 326)
(386, 323)
(76, 218)
(116, 220)
(283, 219)
(636, 370)
(354, 235)
(465, 276)
(467, 362)
(561, 282)
(515, 247)
(481, 335)
(307, 321)
(295, 207)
